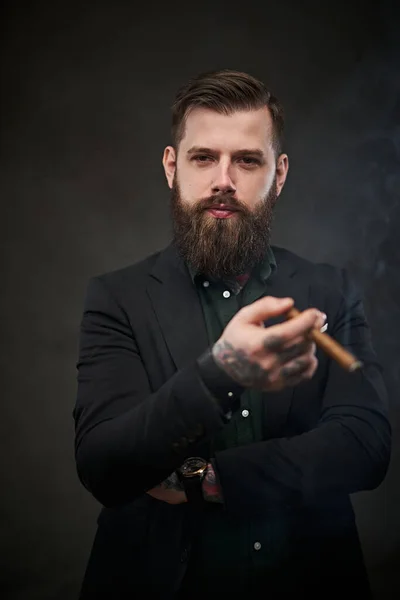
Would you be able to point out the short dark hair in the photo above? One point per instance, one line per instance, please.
(225, 91)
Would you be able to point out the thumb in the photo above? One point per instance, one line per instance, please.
(264, 309)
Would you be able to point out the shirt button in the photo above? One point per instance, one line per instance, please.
(206, 283)
(228, 415)
(245, 413)
(230, 394)
(257, 546)
(226, 294)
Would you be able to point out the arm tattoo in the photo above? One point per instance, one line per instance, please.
(235, 362)
(172, 483)
(239, 367)
(211, 489)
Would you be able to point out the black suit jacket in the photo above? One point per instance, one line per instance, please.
(143, 406)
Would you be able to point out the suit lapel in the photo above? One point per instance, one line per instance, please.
(177, 308)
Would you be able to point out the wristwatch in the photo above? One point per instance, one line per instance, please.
(191, 475)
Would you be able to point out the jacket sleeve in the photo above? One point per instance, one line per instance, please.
(348, 451)
(129, 438)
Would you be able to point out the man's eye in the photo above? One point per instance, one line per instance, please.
(202, 158)
(249, 160)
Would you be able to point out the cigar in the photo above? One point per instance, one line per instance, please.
(331, 347)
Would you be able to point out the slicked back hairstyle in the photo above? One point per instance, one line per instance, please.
(225, 92)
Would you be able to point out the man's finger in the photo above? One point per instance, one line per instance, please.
(291, 352)
(263, 309)
(276, 336)
(295, 368)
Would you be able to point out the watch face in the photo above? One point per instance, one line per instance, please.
(193, 466)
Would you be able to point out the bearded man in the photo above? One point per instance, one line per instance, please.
(221, 442)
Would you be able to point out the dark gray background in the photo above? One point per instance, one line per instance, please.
(85, 117)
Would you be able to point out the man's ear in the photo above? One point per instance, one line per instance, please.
(169, 164)
(282, 168)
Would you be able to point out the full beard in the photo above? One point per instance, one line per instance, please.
(217, 247)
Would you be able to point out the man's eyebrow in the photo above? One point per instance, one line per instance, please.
(245, 151)
(200, 149)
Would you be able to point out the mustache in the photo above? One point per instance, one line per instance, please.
(223, 202)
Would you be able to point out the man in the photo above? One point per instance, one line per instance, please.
(221, 442)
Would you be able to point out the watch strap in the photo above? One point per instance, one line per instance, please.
(194, 490)
(192, 483)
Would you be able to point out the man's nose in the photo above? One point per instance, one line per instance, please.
(223, 181)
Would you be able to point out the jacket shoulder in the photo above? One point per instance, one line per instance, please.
(322, 272)
(130, 273)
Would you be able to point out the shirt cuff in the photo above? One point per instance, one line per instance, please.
(225, 390)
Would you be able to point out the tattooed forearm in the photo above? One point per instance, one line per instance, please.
(172, 483)
(238, 366)
(211, 489)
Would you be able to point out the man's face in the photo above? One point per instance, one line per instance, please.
(226, 162)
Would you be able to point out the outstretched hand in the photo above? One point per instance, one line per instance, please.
(271, 358)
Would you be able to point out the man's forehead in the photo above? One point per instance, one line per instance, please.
(204, 125)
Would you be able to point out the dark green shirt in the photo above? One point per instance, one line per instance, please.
(220, 302)
(235, 547)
